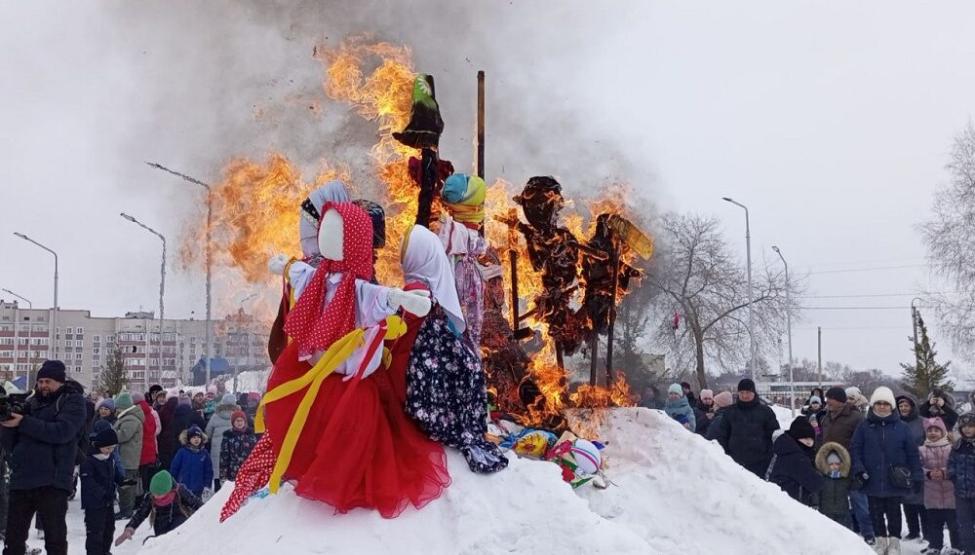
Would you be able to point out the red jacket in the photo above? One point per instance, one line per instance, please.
(150, 451)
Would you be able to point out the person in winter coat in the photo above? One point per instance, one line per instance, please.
(185, 417)
(149, 458)
(105, 410)
(841, 420)
(961, 473)
(689, 393)
(42, 445)
(167, 506)
(940, 405)
(220, 422)
(704, 412)
(168, 438)
(914, 501)
(745, 430)
(722, 401)
(833, 463)
(99, 480)
(679, 408)
(238, 442)
(939, 493)
(192, 466)
(855, 397)
(129, 429)
(792, 463)
(882, 449)
(815, 412)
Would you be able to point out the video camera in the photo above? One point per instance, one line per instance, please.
(11, 403)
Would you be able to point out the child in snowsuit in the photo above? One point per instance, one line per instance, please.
(939, 493)
(961, 472)
(238, 442)
(167, 506)
(833, 462)
(192, 466)
(100, 477)
(679, 408)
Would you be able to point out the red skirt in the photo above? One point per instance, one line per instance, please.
(358, 447)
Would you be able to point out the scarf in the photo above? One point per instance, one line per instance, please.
(464, 198)
(316, 323)
(164, 500)
(311, 214)
(939, 443)
(424, 260)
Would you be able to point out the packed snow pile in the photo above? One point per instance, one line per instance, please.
(670, 492)
(783, 415)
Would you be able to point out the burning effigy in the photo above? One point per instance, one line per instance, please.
(499, 291)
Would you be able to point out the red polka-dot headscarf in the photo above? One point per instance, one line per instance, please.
(312, 327)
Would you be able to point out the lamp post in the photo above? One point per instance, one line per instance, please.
(52, 331)
(788, 325)
(162, 292)
(209, 246)
(751, 311)
(30, 305)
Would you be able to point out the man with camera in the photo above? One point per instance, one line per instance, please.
(43, 443)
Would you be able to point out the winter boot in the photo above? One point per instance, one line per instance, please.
(894, 546)
(426, 125)
(880, 546)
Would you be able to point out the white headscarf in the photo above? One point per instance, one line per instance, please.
(333, 191)
(424, 260)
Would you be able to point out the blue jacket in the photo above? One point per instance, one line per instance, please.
(99, 480)
(961, 468)
(193, 469)
(878, 445)
(681, 411)
(43, 449)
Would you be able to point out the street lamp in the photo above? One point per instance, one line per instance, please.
(788, 324)
(51, 349)
(751, 311)
(209, 246)
(162, 292)
(30, 305)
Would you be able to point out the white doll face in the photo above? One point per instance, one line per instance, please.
(331, 236)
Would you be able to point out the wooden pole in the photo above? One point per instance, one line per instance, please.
(515, 320)
(480, 124)
(594, 360)
(614, 259)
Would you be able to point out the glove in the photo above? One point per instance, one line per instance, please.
(415, 302)
(124, 536)
(277, 263)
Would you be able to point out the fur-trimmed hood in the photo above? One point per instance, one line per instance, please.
(185, 440)
(832, 447)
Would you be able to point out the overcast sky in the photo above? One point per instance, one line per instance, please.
(831, 121)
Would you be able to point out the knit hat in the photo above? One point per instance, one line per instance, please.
(883, 394)
(706, 394)
(194, 431)
(833, 458)
(801, 428)
(815, 400)
(238, 414)
(52, 370)
(967, 419)
(107, 403)
(123, 400)
(935, 422)
(836, 394)
(675, 388)
(104, 438)
(746, 385)
(853, 391)
(228, 399)
(138, 398)
(161, 483)
(723, 399)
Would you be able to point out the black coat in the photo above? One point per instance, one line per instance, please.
(44, 448)
(99, 481)
(793, 470)
(947, 413)
(168, 518)
(701, 420)
(745, 433)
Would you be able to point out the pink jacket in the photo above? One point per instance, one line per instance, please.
(938, 494)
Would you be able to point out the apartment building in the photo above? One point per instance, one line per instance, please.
(85, 342)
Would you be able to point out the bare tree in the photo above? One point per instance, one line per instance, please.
(704, 297)
(949, 236)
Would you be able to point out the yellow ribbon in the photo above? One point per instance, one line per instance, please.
(336, 354)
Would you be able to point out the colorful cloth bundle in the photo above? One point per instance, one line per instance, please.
(463, 196)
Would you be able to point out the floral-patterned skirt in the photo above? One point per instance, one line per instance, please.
(446, 393)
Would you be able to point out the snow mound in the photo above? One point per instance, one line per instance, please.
(783, 415)
(671, 492)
